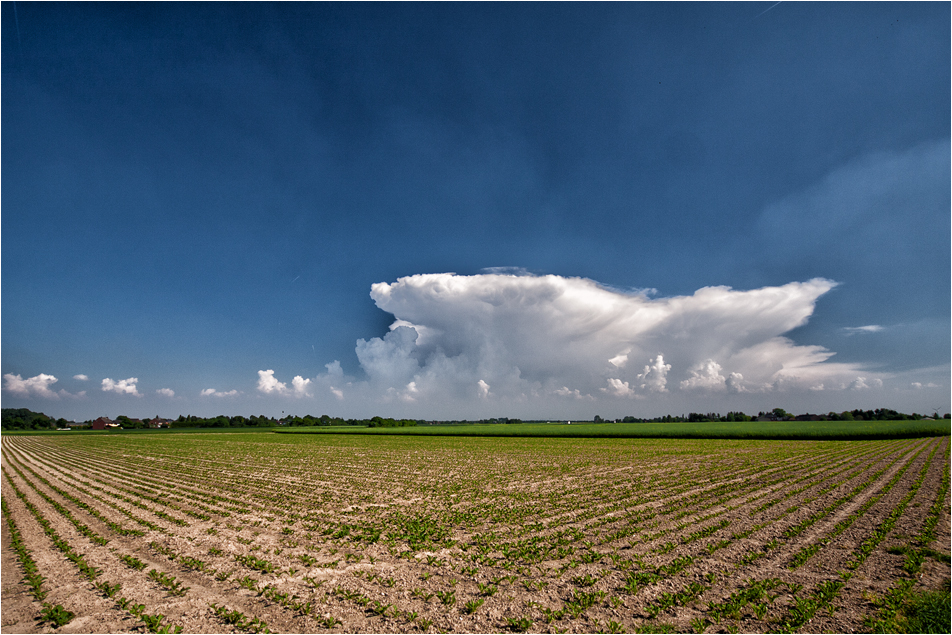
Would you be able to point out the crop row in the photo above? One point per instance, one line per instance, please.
(56, 614)
(476, 534)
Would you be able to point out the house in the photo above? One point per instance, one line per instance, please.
(160, 423)
(103, 422)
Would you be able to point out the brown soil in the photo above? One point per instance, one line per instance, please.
(614, 507)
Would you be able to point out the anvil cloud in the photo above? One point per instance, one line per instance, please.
(522, 336)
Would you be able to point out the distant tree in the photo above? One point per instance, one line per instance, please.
(25, 419)
(597, 419)
(126, 423)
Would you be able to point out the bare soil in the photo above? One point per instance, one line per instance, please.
(469, 531)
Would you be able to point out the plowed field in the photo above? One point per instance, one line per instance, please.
(281, 533)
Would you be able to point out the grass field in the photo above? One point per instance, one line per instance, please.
(361, 533)
(763, 430)
(781, 430)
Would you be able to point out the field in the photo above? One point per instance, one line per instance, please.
(773, 430)
(259, 532)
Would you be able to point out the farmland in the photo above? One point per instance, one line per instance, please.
(260, 532)
(789, 430)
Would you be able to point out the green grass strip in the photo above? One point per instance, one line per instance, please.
(776, 430)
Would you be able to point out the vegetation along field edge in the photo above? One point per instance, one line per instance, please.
(780, 430)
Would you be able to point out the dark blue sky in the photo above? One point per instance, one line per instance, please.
(193, 193)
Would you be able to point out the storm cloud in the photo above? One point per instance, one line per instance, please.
(533, 336)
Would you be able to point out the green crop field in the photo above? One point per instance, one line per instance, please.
(780, 430)
(255, 532)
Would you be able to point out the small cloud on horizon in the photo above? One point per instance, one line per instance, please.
(269, 385)
(211, 392)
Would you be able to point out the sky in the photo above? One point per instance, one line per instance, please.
(465, 211)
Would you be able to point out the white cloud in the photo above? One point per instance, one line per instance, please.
(408, 394)
(564, 391)
(211, 392)
(536, 335)
(735, 383)
(655, 374)
(269, 385)
(390, 360)
(621, 359)
(122, 387)
(459, 343)
(38, 386)
(706, 375)
(618, 388)
(860, 383)
(81, 377)
(334, 375)
(871, 328)
(300, 386)
(165, 392)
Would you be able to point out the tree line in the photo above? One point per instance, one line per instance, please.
(25, 419)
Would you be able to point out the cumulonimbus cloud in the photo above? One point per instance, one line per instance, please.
(552, 335)
(494, 337)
